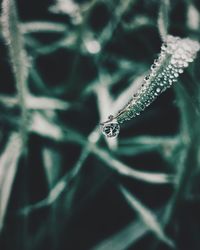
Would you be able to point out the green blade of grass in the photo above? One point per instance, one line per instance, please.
(146, 216)
(18, 57)
(124, 238)
(8, 167)
(163, 18)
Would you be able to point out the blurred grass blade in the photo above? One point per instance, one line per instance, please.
(163, 18)
(125, 238)
(37, 103)
(165, 145)
(8, 167)
(32, 27)
(18, 57)
(123, 169)
(150, 140)
(126, 94)
(46, 103)
(42, 126)
(146, 216)
(193, 17)
(51, 158)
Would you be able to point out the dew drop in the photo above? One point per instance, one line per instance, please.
(111, 129)
(153, 66)
(131, 114)
(158, 90)
(147, 77)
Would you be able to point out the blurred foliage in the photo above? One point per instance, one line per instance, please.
(65, 66)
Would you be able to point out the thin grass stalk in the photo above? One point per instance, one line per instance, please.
(18, 58)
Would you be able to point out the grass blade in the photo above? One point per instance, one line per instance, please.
(18, 57)
(8, 167)
(146, 216)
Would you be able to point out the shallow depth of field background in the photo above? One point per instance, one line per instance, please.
(65, 65)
